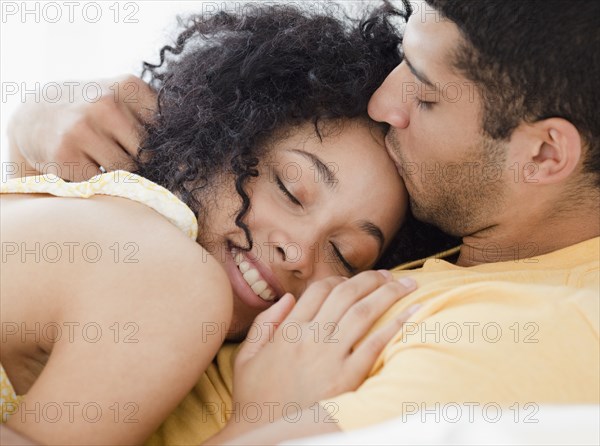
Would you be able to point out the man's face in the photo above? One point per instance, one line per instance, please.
(453, 172)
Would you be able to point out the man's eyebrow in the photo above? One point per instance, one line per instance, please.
(374, 231)
(419, 74)
(325, 173)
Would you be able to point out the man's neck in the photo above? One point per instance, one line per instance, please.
(502, 243)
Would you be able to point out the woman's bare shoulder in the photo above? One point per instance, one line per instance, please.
(74, 246)
(141, 300)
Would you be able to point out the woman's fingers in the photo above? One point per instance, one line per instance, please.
(348, 293)
(312, 299)
(364, 356)
(320, 363)
(361, 316)
(262, 329)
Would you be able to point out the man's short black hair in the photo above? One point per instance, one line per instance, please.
(532, 60)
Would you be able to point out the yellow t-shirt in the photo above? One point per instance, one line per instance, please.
(491, 335)
(501, 335)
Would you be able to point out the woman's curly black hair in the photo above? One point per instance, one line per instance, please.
(232, 81)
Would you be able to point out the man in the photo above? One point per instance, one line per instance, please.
(493, 127)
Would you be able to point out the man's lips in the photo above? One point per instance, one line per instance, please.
(392, 154)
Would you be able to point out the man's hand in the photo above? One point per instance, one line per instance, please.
(74, 136)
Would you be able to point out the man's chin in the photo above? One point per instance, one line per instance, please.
(438, 219)
(420, 213)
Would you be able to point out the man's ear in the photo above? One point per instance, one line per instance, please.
(555, 149)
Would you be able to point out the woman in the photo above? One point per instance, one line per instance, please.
(261, 152)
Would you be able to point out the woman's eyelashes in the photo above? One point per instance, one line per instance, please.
(287, 193)
(336, 252)
(347, 266)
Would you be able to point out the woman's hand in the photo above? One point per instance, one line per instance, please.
(300, 354)
(75, 135)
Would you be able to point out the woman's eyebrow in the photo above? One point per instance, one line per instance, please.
(325, 172)
(374, 231)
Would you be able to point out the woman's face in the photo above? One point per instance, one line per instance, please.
(318, 208)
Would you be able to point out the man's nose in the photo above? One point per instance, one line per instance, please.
(390, 102)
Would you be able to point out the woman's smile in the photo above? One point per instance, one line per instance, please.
(257, 275)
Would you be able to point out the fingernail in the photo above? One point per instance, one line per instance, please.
(286, 296)
(408, 282)
(385, 273)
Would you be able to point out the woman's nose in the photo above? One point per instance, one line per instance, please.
(295, 254)
(390, 103)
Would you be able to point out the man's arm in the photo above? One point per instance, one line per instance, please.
(74, 136)
(17, 166)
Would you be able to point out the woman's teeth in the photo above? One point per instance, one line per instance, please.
(253, 278)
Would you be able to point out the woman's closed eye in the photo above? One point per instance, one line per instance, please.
(347, 266)
(336, 252)
(287, 193)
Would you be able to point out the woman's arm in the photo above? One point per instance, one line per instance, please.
(9, 437)
(142, 330)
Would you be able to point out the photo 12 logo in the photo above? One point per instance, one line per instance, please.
(209, 9)
(69, 12)
(470, 412)
(70, 411)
